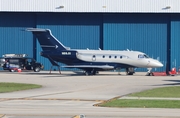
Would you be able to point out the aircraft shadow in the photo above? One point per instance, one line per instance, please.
(66, 74)
(175, 82)
(172, 83)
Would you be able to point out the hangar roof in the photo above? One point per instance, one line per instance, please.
(106, 6)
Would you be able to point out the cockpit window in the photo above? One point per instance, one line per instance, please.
(140, 56)
(146, 56)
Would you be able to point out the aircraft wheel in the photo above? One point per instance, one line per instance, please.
(94, 72)
(149, 74)
(87, 73)
(129, 71)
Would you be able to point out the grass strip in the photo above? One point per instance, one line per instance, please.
(164, 92)
(172, 92)
(10, 87)
(134, 103)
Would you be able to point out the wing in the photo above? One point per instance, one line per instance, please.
(103, 67)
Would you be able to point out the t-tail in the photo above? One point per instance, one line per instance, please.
(47, 41)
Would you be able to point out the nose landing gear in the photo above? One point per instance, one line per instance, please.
(149, 73)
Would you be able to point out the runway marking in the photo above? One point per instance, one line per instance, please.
(6, 99)
(105, 101)
(2, 115)
(79, 116)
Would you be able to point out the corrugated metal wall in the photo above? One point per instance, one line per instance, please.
(155, 34)
(78, 31)
(12, 38)
(142, 32)
(175, 41)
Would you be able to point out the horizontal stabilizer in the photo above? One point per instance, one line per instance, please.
(36, 30)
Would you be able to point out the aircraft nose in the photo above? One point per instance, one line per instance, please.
(156, 64)
(159, 64)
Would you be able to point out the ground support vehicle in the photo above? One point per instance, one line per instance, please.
(13, 62)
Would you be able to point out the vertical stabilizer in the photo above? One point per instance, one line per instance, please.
(46, 39)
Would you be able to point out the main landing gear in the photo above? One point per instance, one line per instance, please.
(92, 72)
(130, 71)
(56, 66)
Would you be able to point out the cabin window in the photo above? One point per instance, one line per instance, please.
(103, 56)
(120, 57)
(94, 57)
(115, 57)
(109, 56)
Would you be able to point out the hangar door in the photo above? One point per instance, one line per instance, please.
(142, 32)
(77, 31)
(175, 41)
(13, 38)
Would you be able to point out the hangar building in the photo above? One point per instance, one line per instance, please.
(150, 26)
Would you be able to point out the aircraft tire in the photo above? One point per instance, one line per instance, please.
(94, 72)
(129, 71)
(87, 73)
(149, 74)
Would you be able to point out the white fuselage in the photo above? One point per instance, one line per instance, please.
(134, 58)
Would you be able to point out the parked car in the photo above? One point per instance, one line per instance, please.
(12, 62)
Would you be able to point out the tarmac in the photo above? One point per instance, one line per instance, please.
(70, 94)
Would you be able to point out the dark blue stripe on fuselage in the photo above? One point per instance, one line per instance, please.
(69, 58)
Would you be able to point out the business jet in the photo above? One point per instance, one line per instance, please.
(91, 61)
